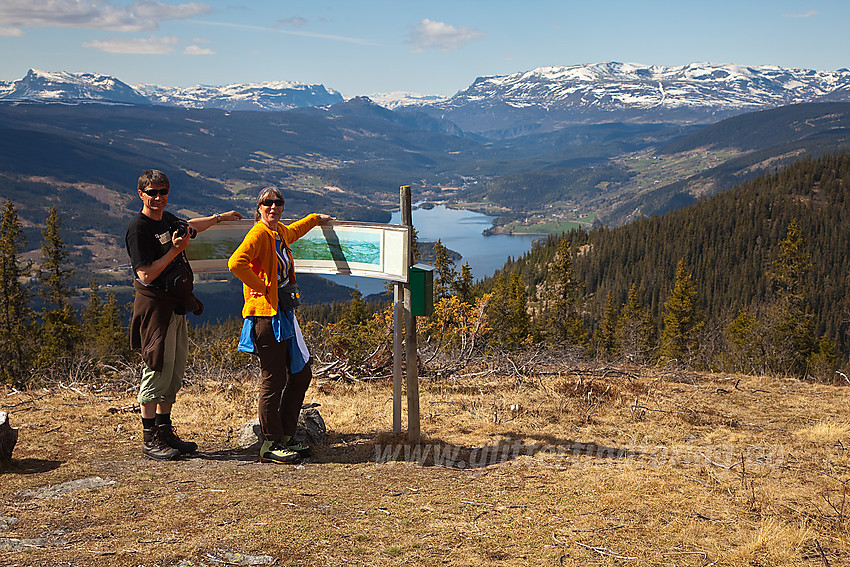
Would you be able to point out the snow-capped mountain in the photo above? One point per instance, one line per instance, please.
(605, 92)
(41, 86)
(70, 88)
(400, 99)
(539, 100)
(252, 96)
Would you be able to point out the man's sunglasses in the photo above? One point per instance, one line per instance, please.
(270, 202)
(155, 192)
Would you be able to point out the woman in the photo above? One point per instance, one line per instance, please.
(263, 262)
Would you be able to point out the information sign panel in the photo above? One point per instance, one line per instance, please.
(340, 247)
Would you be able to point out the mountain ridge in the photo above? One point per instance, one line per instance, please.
(498, 106)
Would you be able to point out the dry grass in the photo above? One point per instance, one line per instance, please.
(568, 466)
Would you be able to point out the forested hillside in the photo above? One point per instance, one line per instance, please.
(756, 143)
(776, 242)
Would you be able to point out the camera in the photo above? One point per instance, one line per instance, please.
(183, 228)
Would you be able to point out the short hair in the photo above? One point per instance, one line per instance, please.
(153, 177)
(270, 192)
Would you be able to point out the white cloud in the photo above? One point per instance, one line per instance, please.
(140, 46)
(295, 22)
(429, 34)
(195, 50)
(11, 32)
(808, 14)
(141, 15)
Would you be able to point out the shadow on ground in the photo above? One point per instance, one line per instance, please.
(382, 448)
(29, 466)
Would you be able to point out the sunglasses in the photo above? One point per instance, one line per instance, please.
(155, 192)
(270, 202)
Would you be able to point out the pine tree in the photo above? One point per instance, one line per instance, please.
(113, 331)
(463, 286)
(608, 328)
(103, 333)
(790, 337)
(744, 337)
(15, 315)
(444, 271)
(636, 334)
(563, 323)
(682, 320)
(358, 331)
(91, 316)
(507, 312)
(60, 328)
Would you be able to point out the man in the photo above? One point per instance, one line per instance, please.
(156, 242)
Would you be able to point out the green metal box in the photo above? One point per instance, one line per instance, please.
(421, 290)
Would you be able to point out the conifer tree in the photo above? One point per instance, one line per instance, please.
(444, 271)
(563, 324)
(744, 338)
(635, 332)
(790, 335)
(358, 331)
(112, 331)
(92, 314)
(102, 330)
(15, 315)
(510, 323)
(463, 286)
(608, 328)
(60, 328)
(683, 320)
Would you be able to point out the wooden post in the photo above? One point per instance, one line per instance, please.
(411, 355)
(398, 338)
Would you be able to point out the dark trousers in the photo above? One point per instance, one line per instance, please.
(281, 391)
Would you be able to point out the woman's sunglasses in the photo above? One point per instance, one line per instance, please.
(155, 192)
(270, 202)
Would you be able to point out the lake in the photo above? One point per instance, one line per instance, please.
(461, 231)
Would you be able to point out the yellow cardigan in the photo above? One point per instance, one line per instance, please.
(255, 263)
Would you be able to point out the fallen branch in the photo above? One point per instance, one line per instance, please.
(605, 552)
(636, 406)
(822, 554)
(751, 390)
(722, 466)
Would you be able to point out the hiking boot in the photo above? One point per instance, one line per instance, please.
(276, 452)
(302, 450)
(170, 438)
(155, 448)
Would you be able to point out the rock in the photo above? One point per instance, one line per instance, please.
(6, 522)
(8, 438)
(15, 544)
(311, 429)
(57, 490)
(229, 558)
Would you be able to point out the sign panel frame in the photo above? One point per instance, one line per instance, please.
(371, 250)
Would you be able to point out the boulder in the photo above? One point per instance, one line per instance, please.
(8, 438)
(311, 429)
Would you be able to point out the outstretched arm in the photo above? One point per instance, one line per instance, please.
(200, 224)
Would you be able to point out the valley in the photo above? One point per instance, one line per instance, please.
(538, 172)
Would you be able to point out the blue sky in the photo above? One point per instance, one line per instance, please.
(429, 47)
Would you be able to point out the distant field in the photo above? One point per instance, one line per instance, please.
(545, 227)
(655, 171)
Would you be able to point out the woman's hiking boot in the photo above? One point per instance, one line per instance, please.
(156, 448)
(169, 437)
(276, 452)
(302, 450)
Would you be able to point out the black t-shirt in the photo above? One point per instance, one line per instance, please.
(148, 240)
